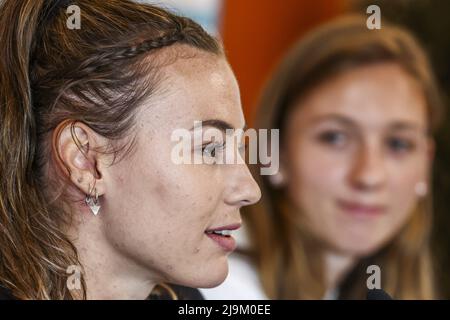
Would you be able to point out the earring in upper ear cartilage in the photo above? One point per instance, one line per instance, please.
(93, 203)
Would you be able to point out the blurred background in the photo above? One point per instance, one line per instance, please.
(257, 34)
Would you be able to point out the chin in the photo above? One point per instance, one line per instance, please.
(207, 276)
(213, 282)
(214, 277)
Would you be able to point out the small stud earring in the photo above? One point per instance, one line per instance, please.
(277, 179)
(93, 203)
(421, 189)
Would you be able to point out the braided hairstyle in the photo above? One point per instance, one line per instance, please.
(99, 75)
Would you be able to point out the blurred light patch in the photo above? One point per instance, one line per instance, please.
(205, 12)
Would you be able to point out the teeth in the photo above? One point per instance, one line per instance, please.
(222, 232)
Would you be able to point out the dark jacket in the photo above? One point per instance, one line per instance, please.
(183, 293)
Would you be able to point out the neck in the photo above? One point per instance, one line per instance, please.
(109, 274)
(336, 267)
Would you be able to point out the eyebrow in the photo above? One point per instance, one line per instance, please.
(397, 125)
(400, 125)
(219, 124)
(335, 117)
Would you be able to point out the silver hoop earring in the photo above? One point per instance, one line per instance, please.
(93, 203)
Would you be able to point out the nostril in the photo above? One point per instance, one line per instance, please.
(253, 198)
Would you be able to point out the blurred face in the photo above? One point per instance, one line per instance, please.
(159, 214)
(356, 152)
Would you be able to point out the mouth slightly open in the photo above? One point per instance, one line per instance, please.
(360, 209)
(222, 236)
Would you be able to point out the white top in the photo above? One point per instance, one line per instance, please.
(242, 282)
(331, 294)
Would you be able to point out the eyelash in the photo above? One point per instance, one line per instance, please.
(405, 145)
(212, 147)
(328, 136)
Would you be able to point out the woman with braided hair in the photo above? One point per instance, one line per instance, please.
(92, 206)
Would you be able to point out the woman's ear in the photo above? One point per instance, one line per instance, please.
(75, 147)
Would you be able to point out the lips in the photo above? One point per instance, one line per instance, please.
(222, 236)
(361, 209)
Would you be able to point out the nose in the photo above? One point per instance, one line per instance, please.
(368, 170)
(243, 189)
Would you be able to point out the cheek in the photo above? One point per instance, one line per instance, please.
(156, 206)
(171, 196)
(165, 186)
(402, 181)
(157, 215)
(316, 175)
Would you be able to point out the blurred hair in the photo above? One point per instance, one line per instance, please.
(48, 74)
(288, 256)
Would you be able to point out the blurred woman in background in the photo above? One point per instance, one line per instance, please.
(356, 109)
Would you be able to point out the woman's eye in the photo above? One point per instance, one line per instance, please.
(400, 145)
(211, 149)
(334, 138)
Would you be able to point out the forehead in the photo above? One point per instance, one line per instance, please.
(198, 87)
(373, 95)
